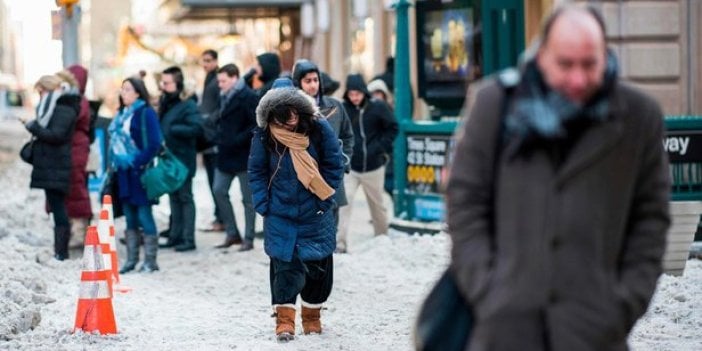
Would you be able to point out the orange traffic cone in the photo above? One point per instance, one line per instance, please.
(106, 233)
(107, 205)
(95, 300)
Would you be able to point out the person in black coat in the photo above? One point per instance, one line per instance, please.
(209, 104)
(52, 131)
(181, 124)
(374, 129)
(267, 70)
(235, 126)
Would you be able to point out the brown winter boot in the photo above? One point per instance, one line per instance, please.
(285, 323)
(310, 320)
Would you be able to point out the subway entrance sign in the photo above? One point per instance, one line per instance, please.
(427, 168)
(683, 145)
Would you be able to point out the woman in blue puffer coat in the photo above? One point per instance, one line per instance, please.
(295, 166)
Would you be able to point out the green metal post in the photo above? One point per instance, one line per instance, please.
(402, 105)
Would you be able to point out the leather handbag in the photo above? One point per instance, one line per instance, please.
(165, 174)
(27, 151)
(445, 319)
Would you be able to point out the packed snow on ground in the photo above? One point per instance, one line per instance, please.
(219, 299)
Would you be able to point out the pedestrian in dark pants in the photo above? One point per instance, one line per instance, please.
(234, 130)
(294, 169)
(209, 104)
(181, 124)
(557, 198)
(52, 129)
(380, 91)
(78, 200)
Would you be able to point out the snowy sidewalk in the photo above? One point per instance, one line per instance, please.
(219, 299)
(213, 299)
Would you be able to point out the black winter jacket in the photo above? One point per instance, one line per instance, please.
(181, 125)
(210, 94)
(270, 70)
(235, 130)
(52, 148)
(374, 128)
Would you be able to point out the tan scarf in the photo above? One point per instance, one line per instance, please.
(305, 166)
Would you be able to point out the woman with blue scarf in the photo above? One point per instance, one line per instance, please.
(135, 139)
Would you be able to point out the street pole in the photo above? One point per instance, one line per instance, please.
(402, 105)
(69, 35)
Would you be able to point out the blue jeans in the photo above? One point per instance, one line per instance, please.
(139, 216)
(222, 183)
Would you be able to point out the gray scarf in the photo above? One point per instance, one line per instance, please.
(46, 106)
(542, 113)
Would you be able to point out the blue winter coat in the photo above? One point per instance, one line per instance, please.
(295, 220)
(131, 190)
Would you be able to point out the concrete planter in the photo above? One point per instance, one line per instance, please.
(685, 215)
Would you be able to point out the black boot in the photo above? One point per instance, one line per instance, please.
(62, 235)
(185, 246)
(133, 238)
(171, 243)
(150, 252)
(188, 241)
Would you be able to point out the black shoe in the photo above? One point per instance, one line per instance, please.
(185, 247)
(165, 233)
(246, 246)
(170, 244)
(229, 241)
(128, 267)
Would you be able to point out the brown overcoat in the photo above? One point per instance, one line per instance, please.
(559, 258)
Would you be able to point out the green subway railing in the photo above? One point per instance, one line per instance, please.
(683, 143)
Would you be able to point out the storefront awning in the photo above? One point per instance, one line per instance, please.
(242, 3)
(199, 10)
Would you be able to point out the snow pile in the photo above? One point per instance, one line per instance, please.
(674, 318)
(25, 261)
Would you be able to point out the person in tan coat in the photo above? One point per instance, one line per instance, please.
(557, 198)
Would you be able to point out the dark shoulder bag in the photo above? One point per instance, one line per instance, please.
(165, 173)
(27, 151)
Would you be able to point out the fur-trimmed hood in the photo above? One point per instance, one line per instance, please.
(296, 98)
